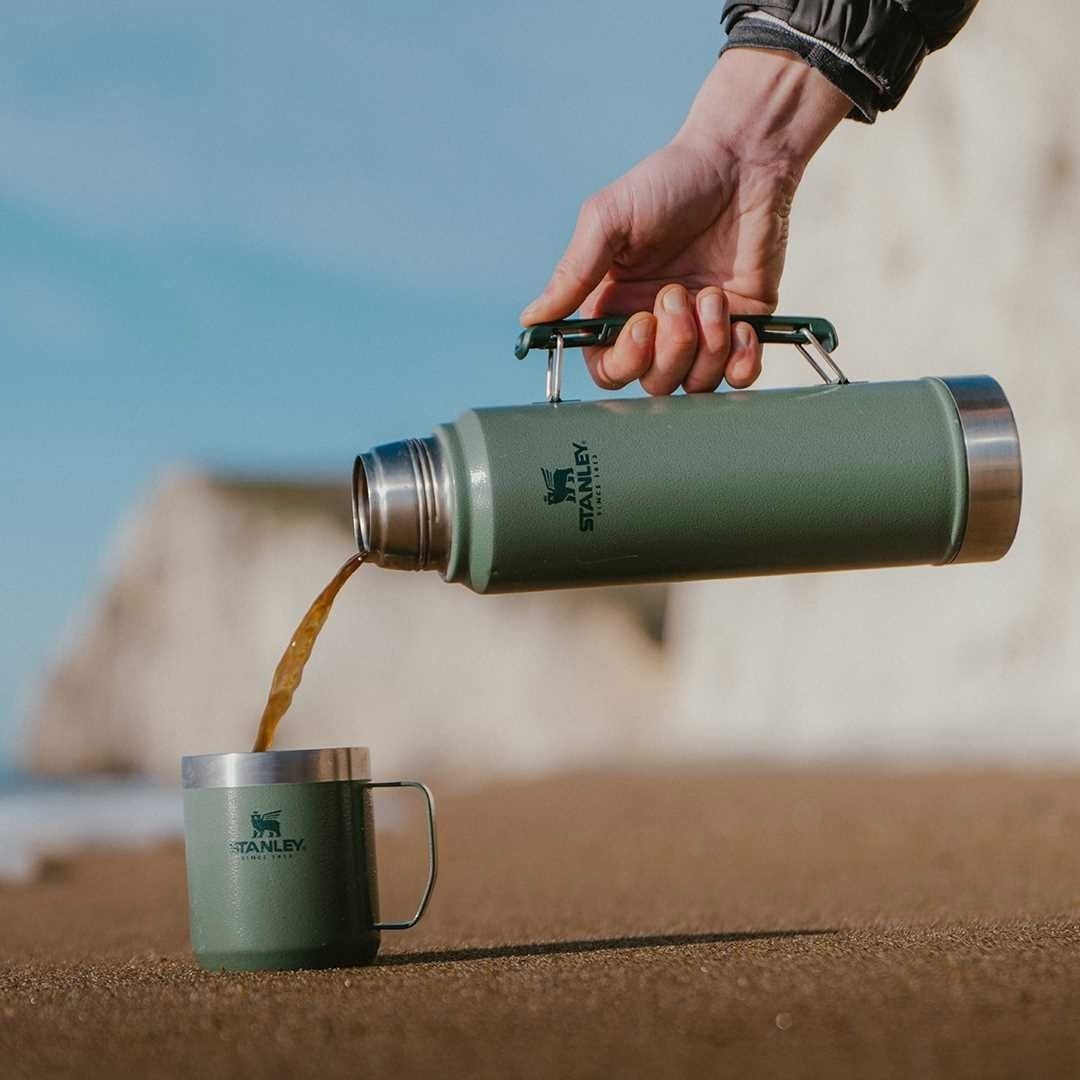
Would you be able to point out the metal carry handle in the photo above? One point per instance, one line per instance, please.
(798, 330)
(433, 849)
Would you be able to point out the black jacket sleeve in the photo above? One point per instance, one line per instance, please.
(870, 49)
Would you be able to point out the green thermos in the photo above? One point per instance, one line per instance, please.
(836, 476)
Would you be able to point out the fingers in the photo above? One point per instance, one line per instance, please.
(714, 342)
(676, 341)
(744, 364)
(583, 264)
(686, 341)
(628, 359)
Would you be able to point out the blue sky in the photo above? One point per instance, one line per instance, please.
(263, 239)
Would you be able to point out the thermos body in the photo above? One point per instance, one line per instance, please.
(830, 477)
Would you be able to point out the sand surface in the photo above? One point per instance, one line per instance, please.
(752, 923)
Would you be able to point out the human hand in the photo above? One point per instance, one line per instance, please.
(698, 230)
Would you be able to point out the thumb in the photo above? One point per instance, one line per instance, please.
(578, 272)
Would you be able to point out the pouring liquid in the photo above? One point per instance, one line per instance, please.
(290, 668)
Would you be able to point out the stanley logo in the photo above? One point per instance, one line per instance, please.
(578, 484)
(266, 840)
(266, 823)
(560, 486)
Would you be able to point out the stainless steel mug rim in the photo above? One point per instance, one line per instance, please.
(275, 767)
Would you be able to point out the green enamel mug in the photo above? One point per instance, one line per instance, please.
(281, 866)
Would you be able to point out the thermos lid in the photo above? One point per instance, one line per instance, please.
(275, 767)
(994, 473)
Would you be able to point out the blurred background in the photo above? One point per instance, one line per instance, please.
(242, 244)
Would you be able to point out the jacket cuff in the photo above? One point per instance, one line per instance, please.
(871, 56)
(750, 33)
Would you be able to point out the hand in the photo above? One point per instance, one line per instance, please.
(698, 230)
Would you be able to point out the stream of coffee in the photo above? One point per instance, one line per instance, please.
(290, 667)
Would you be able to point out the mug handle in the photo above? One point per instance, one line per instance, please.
(433, 849)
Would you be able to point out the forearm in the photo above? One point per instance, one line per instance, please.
(870, 49)
(768, 108)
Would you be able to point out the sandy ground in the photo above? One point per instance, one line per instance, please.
(758, 923)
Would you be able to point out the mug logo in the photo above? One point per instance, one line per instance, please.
(578, 484)
(266, 841)
(560, 485)
(265, 823)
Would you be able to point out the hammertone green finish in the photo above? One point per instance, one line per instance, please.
(304, 898)
(706, 486)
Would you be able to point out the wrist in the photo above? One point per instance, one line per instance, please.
(766, 108)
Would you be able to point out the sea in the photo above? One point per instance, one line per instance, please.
(42, 818)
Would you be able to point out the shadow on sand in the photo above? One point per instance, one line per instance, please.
(556, 948)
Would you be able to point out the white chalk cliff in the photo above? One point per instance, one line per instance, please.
(207, 582)
(947, 238)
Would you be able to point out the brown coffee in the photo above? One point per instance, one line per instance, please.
(290, 667)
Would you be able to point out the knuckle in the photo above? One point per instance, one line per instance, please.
(676, 350)
(566, 270)
(596, 210)
(600, 213)
(716, 352)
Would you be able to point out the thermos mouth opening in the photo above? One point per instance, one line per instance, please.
(361, 507)
(401, 505)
